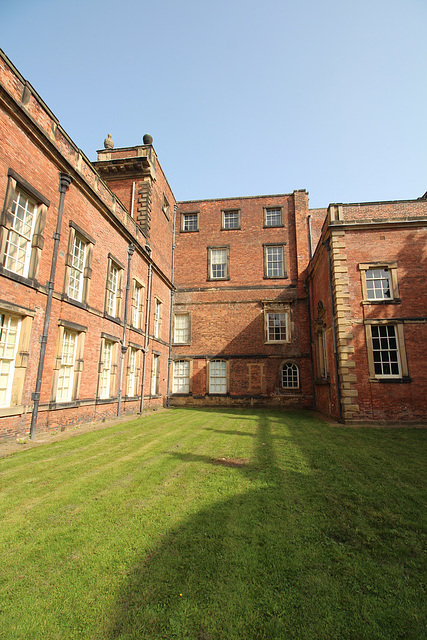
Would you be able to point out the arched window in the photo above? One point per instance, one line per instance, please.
(290, 375)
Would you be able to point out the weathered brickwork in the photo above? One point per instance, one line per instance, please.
(246, 301)
(381, 337)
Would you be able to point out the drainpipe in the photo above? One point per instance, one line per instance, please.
(326, 243)
(313, 386)
(64, 182)
(124, 348)
(171, 304)
(147, 337)
(310, 238)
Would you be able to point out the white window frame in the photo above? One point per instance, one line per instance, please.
(132, 379)
(77, 267)
(274, 261)
(229, 215)
(190, 221)
(10, 327)
(158, 309)
(137, 304)
(380, 272)
(65, 384)
(273, 217)
(219, 263)
(290, 375)
(181, 377)
(113, 287)
(383, 336)
(181, 329)
(19, 241)
(107, 363)
(218, 377)
(155, 375)
(21, 229)
(276, 326)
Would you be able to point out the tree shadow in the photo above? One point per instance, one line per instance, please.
(266, 563)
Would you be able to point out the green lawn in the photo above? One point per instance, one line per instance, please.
(216, 525)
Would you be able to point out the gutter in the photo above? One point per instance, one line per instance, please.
(124, 348)
(147, 337)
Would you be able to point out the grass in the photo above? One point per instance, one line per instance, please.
(216, 525)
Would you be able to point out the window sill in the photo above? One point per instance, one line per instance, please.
(218, 279)
(231, 228)
(106, 400)
(273, 226)
(391, 301)
(189, 230)
(285, 277)
(76, 303)
(401, 380)
(14, 411)
(30, 282)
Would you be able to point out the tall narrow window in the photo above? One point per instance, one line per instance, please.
(218, 263)
(22, 221)
(385, 351)
(137, 304)
(106, 366)
(78, 257)
(133, 372)
(155, 375)
(64, 391)
(322, 353)
(9, 333)
(277, 324)
(181, 376)
(217, 376)
(181, 334)
(113, 288)
(274, 261)
(18, 244)
(157, 318)
(78, 264)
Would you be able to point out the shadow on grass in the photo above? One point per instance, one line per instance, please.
(260, 566)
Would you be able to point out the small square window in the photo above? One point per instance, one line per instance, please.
(231, 219)
(273, 217)
(379, 282)
(190, 222)
(378, 285)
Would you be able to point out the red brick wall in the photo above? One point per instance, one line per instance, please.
(227, 318)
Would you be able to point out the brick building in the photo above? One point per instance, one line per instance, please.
(114, 299)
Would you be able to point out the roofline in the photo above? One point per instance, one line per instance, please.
(269, 195)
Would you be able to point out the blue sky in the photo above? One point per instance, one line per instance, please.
(241, 97)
